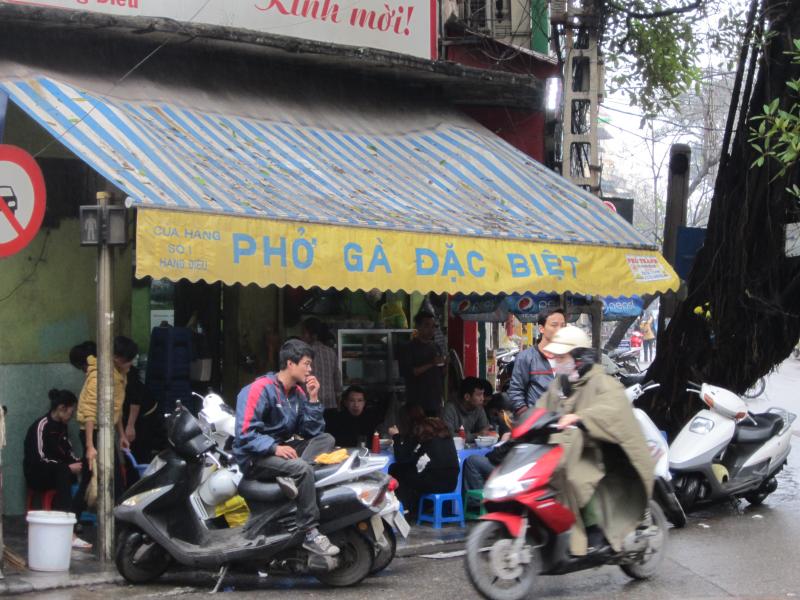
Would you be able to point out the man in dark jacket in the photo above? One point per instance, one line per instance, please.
(279, 431)
(533, 370)
(354, 422)
(422, 366)
(48, 460)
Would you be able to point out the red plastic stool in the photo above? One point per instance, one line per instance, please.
(46, 497)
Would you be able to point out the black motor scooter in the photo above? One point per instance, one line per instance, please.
(166, 515)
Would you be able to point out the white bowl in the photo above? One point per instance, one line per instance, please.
(484, 441)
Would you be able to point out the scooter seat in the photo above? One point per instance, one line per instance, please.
(321, 472)
(768, 425)
(261, 491)
(629, 379)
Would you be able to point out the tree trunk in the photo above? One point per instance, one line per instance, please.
(746, 289)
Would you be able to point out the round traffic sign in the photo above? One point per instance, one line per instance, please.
(22, 199)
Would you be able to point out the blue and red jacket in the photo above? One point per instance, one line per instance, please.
(266, 415)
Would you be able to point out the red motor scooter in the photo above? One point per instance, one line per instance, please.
(526, 530)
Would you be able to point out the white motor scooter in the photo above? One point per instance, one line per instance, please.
(727, 452)
(663, 491)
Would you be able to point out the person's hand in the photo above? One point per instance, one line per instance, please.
(312, 385)
(505, 437)
(91, 454)
(568, 421)
(130, 433)
(393, 430)
(75, 468)
(286, 452)
(520, 410)
(124, 443)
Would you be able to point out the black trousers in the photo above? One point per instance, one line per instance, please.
(413, 484)
(48, 476)
(267, 468)
(649, 349)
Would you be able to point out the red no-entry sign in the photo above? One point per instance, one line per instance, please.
(22, 199)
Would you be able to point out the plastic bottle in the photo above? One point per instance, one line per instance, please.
(376, 443)
(461, 433)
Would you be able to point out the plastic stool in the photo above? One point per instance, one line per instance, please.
(438, 503)
(140, 468)
(470, 498)
(46, 499)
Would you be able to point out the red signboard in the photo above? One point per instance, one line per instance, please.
(22, 199)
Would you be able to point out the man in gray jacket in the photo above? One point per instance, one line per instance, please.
(533, 370)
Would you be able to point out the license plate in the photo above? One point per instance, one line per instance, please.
(377, 526)
(401, 524)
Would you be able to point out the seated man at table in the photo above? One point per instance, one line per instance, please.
(353, 422)
(467, 411)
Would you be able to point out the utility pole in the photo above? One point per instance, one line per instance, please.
(104, 226)
(680, 159)
(583, 90)
(105, 391)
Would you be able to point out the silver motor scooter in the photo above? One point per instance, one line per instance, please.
(725, 451)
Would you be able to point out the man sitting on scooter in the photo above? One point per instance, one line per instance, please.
(606, 473)
(279, 432)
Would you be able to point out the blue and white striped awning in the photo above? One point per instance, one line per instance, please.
(242, 187)
(444, 174)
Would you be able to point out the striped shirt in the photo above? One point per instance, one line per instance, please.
(326, 370)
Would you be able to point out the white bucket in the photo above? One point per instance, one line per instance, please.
(49, 540)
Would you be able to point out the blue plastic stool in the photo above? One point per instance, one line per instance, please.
(438, 504)
(140, 468)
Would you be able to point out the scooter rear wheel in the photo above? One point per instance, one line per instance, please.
(139, 559)
(355, 559)
(492, 566)
(647, 567)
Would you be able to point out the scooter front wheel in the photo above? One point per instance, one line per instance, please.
(495, 567)
(138, 558)
(653, 556)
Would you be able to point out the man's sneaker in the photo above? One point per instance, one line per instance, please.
(288, 487)
(320, 544)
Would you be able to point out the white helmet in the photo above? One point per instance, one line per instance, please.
(568, 339)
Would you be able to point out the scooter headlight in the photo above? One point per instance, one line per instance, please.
(701, 425)
(508, 484)
(155, 465)
(144, 496)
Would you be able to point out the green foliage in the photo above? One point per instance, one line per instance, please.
(775, 133)
(655, 59)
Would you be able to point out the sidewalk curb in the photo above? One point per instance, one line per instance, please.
(408, 550)
(29, 581)
(40, 582)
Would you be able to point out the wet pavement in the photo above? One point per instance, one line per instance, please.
(725, 551)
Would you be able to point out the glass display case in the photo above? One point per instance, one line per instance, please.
(369, 358)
